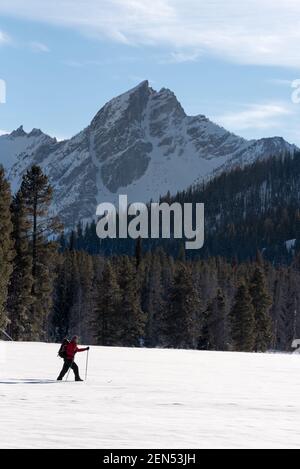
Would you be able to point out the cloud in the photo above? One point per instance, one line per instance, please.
(184, 56)
(39, 47)
(280, 82)
(4, 38)
(255, 116)
(3, 132)
(33, 45)
(264, 32)
(100, 63)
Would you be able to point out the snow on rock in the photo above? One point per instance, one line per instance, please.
(136, 398)
(141, 144)
(19, 149)
(290, 244)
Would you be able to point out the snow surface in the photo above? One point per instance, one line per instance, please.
(137, 398)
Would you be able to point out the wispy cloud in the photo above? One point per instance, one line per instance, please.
(280, 82)
(184, 56)
(4, 38)
(253, 31)
(99, 63)
(39, 47)
(255, 116)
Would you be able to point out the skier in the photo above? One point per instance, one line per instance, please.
(69, 351)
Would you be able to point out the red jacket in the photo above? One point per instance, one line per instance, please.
(72, 349)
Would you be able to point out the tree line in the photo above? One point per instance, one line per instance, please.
(155, 300)
(50, 289)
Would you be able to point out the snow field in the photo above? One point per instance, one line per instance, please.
(137, 398)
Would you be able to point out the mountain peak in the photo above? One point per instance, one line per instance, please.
(35, 133)
(143, 85)
(117, 109)
(20, 132)
(140, 143)
(131, 105)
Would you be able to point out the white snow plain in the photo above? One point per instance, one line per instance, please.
(137, 398)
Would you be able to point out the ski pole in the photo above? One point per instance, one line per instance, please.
(87, 364)
(5, 333)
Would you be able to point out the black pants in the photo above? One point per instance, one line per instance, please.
(69, 364)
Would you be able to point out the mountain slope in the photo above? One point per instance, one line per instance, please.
(250, 209)
(141, 144)
(22, 146)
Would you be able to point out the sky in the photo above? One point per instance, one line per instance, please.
(233, 61)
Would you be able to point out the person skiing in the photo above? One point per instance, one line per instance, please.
(69, 351)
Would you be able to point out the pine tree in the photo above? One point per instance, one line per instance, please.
(214, 330)
(37, 194)
(74, 313)
(21, 282)
(132, 318)
(297, 231)
(6, 246)
(205, 342)
(82, 281)
(261, 302)
(79, 237)
(107, 308)
(155, 303)
(63, 299)
(243, 321)
(283, 321)
(138, 252)
(182, 253)
(183, 322)
(88, 287)
(73, 241)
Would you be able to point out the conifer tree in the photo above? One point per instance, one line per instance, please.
(76, 295)
(214, 333)
(81, 312)
(205, 336)
(73, 241)
(283, 329)
(243, 321)
(183, 322)
(79, 237)
(132, 318)
(155, 304)
(21, 282)
(64, 295)
(107, 308)
(138, 252)
(37, 194)
(182, 253)
(261, 302)
(6, 246)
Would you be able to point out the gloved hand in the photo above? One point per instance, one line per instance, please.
(88, 348)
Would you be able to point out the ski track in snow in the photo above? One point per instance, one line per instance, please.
(138, 398)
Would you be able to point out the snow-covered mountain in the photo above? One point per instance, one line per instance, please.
(141, 144)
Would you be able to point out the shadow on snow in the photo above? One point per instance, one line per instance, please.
(27, 381)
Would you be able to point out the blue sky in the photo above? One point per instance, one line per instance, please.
(62, 60)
